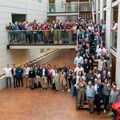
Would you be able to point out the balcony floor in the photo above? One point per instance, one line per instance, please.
(42, 46)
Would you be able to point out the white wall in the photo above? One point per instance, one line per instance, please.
(34, 10)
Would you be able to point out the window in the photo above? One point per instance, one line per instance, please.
(18, 17)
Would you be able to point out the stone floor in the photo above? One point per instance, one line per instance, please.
(38, 104)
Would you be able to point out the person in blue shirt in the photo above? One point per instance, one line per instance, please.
(90, 93)
(19, 76)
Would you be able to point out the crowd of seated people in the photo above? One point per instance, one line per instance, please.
(91, 77)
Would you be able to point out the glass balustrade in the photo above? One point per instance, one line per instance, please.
(70, 7)
(42, 37)
(114, 40)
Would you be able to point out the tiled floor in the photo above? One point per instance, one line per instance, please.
(38, 104)
(26, 104)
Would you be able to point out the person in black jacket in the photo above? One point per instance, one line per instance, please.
(14, 75)
(19, 76)
(86, 66)
(39, 75)
(98, 94)
(32, 76)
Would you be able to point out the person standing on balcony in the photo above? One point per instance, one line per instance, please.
(8, 75)
(115, 26)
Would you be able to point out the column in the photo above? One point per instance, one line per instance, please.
(108, 24)
(118, 49)
(96, 10)
(101, 9)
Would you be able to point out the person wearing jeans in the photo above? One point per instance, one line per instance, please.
(90, 93)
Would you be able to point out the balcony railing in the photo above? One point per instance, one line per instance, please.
(114, 40)
(45, 37)
(70, 7)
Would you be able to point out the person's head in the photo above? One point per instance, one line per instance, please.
(8, 65)
(83, 37)
(104, 72)
(86, 60)
(86, 51)
(31, 68)
(114, 87)
(106, 81)
(56, 70)
(96, 81)
(54, 66)
(48, 66)
(109, 73)
(14, 65)
(26, 65)
(62, 70)
(79, 65)
(89, 83)
(81, 79)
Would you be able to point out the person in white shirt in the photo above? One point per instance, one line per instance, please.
(91, 27)
(115, 26)
(79, 71)
(78, 59)
(26, 73)
(8, 75)
(102, 51)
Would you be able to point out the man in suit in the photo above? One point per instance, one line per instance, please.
(19, 76)
(14, 75)
(98, 94)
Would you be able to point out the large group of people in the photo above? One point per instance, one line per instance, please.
(48, 32)
(90, 79)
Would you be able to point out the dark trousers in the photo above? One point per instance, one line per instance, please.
(14, 81)
(19, 81)
(69, 82)
(8, 82)
(49, 80)
(97, 103)
(106, 101)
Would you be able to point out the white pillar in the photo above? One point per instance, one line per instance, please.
(118, 49)
(96, 10)
(101, 9)
(108, 24)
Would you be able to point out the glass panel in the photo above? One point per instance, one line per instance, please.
(114, 40)
(42, 37)
(70, 7)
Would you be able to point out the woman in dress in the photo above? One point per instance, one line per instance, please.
(62, 80)
(56, 79)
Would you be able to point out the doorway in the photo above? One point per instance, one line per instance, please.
(18, 17)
